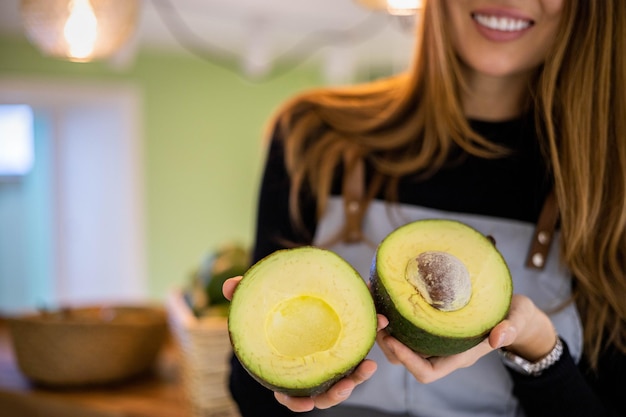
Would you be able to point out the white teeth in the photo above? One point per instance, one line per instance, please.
(503, 24)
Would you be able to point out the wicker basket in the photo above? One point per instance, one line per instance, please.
(205, 350)
(88, 345)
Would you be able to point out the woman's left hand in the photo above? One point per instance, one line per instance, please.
(527, 331)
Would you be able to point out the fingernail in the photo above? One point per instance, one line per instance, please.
(367, 375)
(501, 340)
(507, 337)
(344, 393)
(383, 322)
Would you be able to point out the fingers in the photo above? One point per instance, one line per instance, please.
(522, 313)
(297, 404)
(502, 335)
(526, 329)
(529, 332)
(421, 368)
(363, 372)
(382, 322)
(430, 369)
(335, 395)
(381, 334)
(228, 288)
(342, 389)
(427, 370)
(442, 366)
(383, 344)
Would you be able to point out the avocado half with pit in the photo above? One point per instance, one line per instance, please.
(442, 284)
(301, 319)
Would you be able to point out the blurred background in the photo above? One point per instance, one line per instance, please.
(119, 172)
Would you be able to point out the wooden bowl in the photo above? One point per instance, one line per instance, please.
(87, 345)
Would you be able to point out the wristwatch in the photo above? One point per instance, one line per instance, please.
(526, 367)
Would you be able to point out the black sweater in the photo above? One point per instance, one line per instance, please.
(513, 187)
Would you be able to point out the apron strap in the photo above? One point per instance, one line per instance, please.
(544, 233)
(354, 204)
(353, 195)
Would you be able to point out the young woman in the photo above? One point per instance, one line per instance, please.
(512, 112)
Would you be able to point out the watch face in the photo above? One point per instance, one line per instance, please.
(516, 363)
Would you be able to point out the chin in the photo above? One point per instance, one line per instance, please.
(499, 68)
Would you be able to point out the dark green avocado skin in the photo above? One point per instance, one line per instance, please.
(304, 391)
(418, 340)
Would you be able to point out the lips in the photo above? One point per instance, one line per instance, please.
(501, 23)
(501, 26)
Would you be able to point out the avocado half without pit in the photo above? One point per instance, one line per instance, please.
(300, 320)
(442, 285)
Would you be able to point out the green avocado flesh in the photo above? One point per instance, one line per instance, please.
(422, 325)
(300, 320)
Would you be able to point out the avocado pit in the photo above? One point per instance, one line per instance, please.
(441, 279)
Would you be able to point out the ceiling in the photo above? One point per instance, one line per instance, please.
(340, 33)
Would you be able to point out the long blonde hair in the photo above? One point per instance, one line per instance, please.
(409, 123)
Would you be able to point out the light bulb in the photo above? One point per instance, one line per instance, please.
(403, 7)
(81, 29)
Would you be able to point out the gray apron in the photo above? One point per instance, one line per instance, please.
(485, 388)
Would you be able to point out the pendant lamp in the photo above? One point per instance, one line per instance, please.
(79, 30)
(394, 7)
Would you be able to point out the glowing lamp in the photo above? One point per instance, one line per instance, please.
(79, 30)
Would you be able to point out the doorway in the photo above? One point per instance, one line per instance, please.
(73, 228)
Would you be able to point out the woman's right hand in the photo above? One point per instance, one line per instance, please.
(335, 395)
(338, 392)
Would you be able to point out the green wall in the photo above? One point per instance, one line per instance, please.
(203, 137)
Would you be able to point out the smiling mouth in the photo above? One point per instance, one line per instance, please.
(501, 23)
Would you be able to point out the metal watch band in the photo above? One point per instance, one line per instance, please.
(526, 367)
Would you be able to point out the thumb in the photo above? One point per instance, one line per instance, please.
(228, 288)
(502, 335)
(506, 332)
